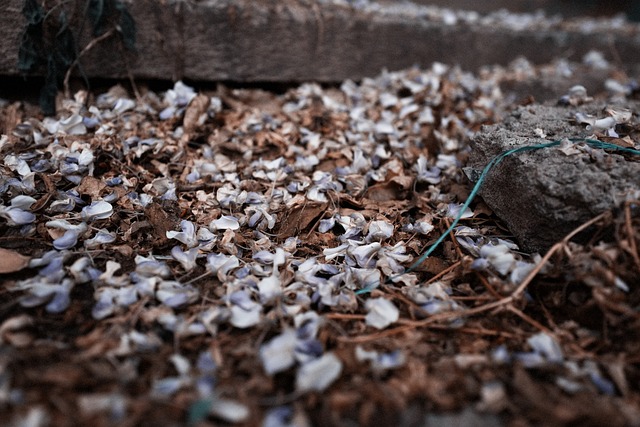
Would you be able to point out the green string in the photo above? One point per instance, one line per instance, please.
(495, 161)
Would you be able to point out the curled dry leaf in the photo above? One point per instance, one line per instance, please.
(12, 261)
(197, 107)
(12, 331)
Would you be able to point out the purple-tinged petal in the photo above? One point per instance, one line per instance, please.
(381, 313)
(67, 241)
(318, 374)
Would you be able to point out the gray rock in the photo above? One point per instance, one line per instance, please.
(543, 195)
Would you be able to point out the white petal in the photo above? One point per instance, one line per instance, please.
(382, 313)
(22, 202)
(186, 259)
(307, 324)
(547, 346)
(167, 387)
(123, 105)
(97, 210)
(175, 294)
(102, 237)
(330, 253)
(181, 363)
(67, 241)
(229, 410)
(318, 374)
(186, 236)
(269, 288)
(221, 264)
(241, 318)
(17, 216)
(454, 210)
(278, 354)
(365, 255)
(225, 222)
(379, 230)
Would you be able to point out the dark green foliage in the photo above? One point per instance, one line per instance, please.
(127, 27)
(50, 88)
(59, 60)
(98, 13)
(102, 12)
(64, 45)
(33, 12)
(30, 55)
(53, 44)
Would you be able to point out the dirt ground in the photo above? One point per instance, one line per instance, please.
(238, 256)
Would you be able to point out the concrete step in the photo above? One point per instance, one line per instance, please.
(331, 40)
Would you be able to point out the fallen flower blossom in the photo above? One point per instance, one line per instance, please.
(278, 354)
(381, 313)
(186, 259)
(380, 362)
(186, 236)
(225, 222)
(318, 374)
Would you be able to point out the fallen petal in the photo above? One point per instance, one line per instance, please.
(318, 374)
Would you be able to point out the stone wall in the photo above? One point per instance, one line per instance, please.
(299, 40)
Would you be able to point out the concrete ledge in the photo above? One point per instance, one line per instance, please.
(280, 41)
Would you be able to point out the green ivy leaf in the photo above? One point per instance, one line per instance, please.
(50, 89)
(65, 46)
(29, 53)
(198, 411)
(97, 13)
(32, 10)
(127, 26)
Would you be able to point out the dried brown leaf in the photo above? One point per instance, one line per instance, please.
(12, 261)
(12, 331)
(197, 107)
(299, 218)
(91, 186)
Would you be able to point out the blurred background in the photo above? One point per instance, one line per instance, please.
(568, 8)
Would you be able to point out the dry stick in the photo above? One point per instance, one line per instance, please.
(488, 286)
(453, 239)
(75, 62)
(132, 82)
(550, 253)
(630, 237)
(529, 320)
(344, 316)
(476, 331)
(452, 315)
(410, 304)
(407, 326)
(376, 336)
(548, 316)
(443, 272)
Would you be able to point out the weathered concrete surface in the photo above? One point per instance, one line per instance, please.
(543, 195)
(550, 7)
(299, 40)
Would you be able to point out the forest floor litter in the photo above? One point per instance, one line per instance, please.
(238, 256)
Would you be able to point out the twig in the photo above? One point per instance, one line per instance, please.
(529, 320)
(134, 87)
(488, 286)
(453, 238)
(375, 336)
(499, 305)
(630, 235)
(444, 272)
(86, 49)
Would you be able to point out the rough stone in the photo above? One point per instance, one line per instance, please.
(543, 195)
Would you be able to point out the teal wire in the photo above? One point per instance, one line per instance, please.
(495, 161)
